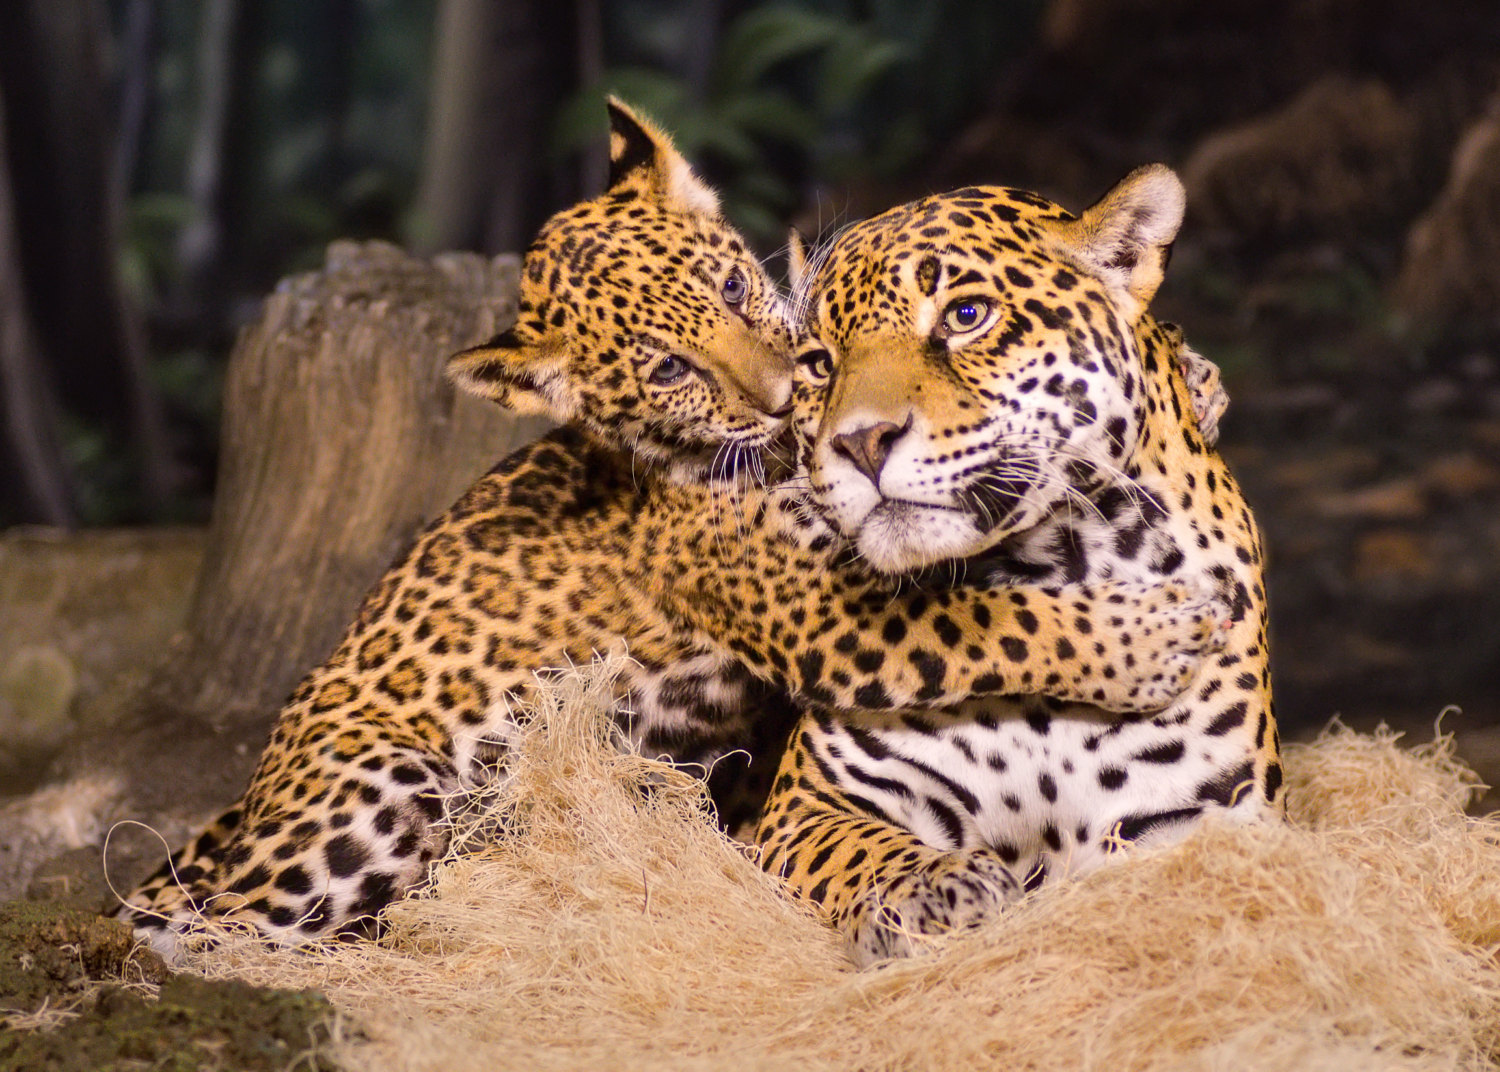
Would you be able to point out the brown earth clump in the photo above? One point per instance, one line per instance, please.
(1339, 156)
(1451, 268)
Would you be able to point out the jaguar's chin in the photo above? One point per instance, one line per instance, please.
(902, 537)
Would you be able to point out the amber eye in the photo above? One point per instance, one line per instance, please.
(966, 314)
(818, 363)
(668, 371)
(735, 288)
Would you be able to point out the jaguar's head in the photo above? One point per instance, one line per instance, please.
(975, 363)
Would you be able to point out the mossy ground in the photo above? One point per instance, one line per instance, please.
(77, 993)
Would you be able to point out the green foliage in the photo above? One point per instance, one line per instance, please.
(103, 491)
(191, 382)
(148, 254)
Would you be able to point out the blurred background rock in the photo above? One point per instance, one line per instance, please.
(163, 163)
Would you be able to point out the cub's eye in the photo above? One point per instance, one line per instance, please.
(966, 314)
(818, 363)
(735, 288)
(668, 371)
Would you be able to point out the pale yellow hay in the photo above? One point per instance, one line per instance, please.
(610, 927)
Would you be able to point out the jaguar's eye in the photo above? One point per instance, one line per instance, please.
(966, 314)
(818, 363)
(735, 288)
(668, 371)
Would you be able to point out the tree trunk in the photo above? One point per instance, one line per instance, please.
(139, 50)
(200, 246)
(37, 487)
(593, 162)
(58, 154)
(334, 32)
(341, 437)
(499, 73)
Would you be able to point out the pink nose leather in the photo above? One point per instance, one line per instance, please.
(869, 447)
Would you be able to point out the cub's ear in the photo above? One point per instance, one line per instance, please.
(642, 157)
(1126, 236)
(523, 377)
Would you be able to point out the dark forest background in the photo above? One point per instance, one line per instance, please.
(163, 163)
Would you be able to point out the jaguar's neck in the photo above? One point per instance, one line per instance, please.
(1140, 527)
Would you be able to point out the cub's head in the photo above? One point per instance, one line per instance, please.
(977, 363)
(645, 318)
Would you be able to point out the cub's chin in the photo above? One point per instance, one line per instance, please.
(693, 456)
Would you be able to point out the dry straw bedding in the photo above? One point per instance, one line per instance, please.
(604, 924)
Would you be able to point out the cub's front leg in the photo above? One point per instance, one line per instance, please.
(840, 638)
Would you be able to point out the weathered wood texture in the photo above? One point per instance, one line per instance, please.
(341, 437)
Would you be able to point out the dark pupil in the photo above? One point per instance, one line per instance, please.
(734, 288)
(966, 315)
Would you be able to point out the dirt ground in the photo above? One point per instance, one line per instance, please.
(77, 993)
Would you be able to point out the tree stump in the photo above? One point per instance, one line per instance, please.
(341, 437)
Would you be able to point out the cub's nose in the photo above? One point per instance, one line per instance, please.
(772, 395)
(869, 447)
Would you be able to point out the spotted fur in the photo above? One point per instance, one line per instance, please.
(645, 322)
(989, 388)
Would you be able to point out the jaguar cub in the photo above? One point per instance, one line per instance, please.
(992, 389)
(646, 323)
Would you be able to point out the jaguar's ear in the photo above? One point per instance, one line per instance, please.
(642, 157)
(1126, 237)
(796, 259)
(527, 378)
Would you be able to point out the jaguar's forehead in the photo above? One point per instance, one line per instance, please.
(942, 241)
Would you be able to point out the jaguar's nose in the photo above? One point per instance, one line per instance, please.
(869, 447)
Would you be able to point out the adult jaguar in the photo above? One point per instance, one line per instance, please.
(644, 320)
(993, 390)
